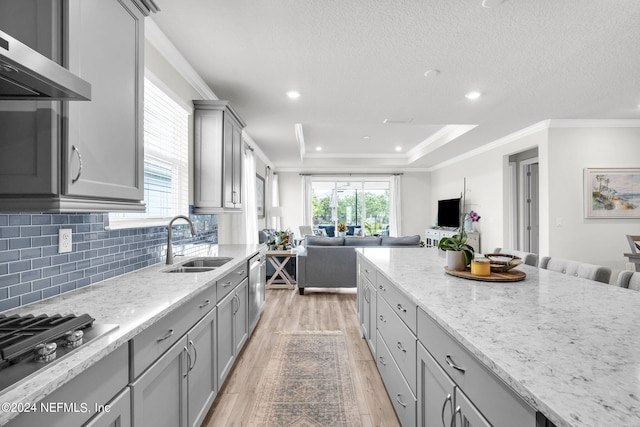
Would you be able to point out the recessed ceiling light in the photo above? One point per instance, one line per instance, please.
(431, 73)
(318, 148)
(473, 95)
(293, 94)
(366, 137)
(398, 148)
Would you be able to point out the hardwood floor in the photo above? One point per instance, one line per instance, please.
(286, 310)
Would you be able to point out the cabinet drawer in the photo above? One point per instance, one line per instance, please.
(95, 386)
(399, 302)
(367, 270)
(151, 343)
(400, 341)
(403, 399)
(231, 280)
(497, 402)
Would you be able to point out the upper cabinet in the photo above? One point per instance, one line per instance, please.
(78, 155)
(217, 158)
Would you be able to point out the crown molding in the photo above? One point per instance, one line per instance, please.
(594, 123)
(168, 50)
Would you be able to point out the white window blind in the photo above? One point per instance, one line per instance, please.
(166, 185)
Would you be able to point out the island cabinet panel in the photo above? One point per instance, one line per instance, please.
(497, 402)
(402, 398)
(400, 341)
(367, 305)
(435, 392)
(92, 389)
(398, 301)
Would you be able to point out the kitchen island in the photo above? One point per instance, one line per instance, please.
(566, 346)
(135, 302)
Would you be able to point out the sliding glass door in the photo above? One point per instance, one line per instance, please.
(362, 204)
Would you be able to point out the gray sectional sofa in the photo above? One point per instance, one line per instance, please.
(330, 262)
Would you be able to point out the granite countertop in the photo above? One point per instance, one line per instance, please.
(570, 347)
(133, 301)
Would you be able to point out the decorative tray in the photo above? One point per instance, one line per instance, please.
(507, 276)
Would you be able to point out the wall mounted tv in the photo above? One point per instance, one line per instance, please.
(449, 213)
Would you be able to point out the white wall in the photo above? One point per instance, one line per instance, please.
(487, 186)
(563, 153)
(415, 201)
(571, 235)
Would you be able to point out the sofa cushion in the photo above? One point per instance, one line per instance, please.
(401, 241)
(362, 241)
(324, 241)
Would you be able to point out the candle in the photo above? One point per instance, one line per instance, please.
(481, 267)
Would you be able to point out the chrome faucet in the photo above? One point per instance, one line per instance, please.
(169, 245)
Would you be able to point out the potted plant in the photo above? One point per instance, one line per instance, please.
(459, 253)
(342, 229)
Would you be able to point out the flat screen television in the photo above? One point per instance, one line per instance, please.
(449, 213)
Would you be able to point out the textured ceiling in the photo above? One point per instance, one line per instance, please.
(358, 62)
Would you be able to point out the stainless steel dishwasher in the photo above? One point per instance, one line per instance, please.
(257, 281)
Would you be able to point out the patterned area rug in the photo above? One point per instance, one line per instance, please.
(307, 382)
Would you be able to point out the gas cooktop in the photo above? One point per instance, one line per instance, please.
(29, 343)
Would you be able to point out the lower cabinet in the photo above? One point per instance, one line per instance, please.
(440, 401)
(116, 413)
(368, 313)
(233, 328)
(178, 388)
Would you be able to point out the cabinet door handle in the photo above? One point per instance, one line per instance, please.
(399, 400)
(382, 288)
(382, 361)
(401, 348)
(242, 272)
(75, 150)
(401, 308)
(165, 336)
(195, 354)
(186, 350)
(226, 284)
(455, 414)
(444, 405)
(382, 319)
(205, 303)
(451, 363)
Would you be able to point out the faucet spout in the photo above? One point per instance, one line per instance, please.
(169, 242)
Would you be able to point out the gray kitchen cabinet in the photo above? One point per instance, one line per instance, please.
(480, 398)
(435, 392)
(202, 379)
(116, 413)
(218, 157)
(233, 328)
(79, 155)
(159, 395)
(367, 311)
(93, 388)
(440, 401)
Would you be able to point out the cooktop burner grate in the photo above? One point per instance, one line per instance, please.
(20, 334)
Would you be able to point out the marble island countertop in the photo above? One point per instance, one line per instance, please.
(133, 302)
(569, 347)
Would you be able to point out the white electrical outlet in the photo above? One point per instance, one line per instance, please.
(64, 240)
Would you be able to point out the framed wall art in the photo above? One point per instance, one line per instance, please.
(612, 192)
(260, 195)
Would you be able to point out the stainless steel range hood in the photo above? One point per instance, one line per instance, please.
(27, 75)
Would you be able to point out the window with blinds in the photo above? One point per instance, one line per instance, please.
(166, 185)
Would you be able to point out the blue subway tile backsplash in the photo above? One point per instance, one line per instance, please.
(31, 269)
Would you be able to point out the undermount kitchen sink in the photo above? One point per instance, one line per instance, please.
(190, 269)
(206, 262)
(200, 265)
